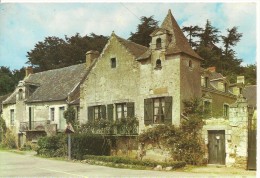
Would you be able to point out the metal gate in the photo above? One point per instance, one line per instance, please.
(216, 147)
(251, 160)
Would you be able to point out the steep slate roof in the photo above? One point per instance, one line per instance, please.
(249, 92)
(135, 49)
(2, 98)
(179, 43)
(54, 85)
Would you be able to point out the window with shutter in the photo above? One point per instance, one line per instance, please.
(130, 109)
(158, 110)
(121, 110)
(97, 112)
(168, 110)
(148, 111)
(90, 114)
(110, 112)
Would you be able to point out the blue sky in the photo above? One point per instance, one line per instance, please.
(22, 25)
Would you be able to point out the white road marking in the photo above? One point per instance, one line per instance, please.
(63, 172)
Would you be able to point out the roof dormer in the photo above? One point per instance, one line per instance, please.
(160, 39)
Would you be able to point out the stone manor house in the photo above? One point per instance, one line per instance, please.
(126, 80)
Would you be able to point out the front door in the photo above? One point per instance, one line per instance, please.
(61, 118)
(216, 147)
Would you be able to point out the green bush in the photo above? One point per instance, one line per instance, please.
(29, 146)
(130, 161)
(9, 140)
(184, 142)
(85, 144)
(81, 144)
(53, 146)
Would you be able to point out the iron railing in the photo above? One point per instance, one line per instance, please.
(33, 126)
(114, 130)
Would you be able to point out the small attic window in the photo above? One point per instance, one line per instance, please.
(20, 94)
(190, 64)
(158, 43)
(158, 64)
(113, 62)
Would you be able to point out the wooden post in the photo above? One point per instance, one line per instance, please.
(69, 147)
(68, 131)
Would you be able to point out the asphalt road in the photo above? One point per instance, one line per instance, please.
(16, 165)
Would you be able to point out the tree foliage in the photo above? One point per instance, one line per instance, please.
(55, 52)
(193, 31)
(70, 115)
(225, 60)
(143, 31)
(9, 79)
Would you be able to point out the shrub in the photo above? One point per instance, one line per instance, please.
(130, 161)
(81, 144)
(9, 140)
(3, 128)
(53, 146)
(185, 142)
(29, 146)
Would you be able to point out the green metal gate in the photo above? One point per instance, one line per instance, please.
(251, 160)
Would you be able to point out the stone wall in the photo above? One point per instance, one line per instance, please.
(133, 81)
(236, 133)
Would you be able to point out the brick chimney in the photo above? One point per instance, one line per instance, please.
(212, 69)
(90, 56)
(28, 71)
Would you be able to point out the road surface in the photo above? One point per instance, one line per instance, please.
(16, 165)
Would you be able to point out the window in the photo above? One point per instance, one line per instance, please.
(96, 112)
(113, 62)
(206, 82)
(158, 64)
(240, 90)
(225, 87)
(207, 106)
(121, 110)
(158, 43)
(190, 64)
(12, 117)
(158, 110)
(52, 114)
(226, 110)
(20, 94)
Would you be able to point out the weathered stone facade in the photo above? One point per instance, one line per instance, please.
(236, 130)
(163, 73)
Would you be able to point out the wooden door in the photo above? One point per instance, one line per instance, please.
(216, 147)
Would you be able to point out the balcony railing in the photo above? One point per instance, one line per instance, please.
(114, 130)
(33, 126)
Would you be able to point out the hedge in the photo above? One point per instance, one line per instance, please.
(130, 161)
(81, 144)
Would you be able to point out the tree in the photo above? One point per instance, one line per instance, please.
(209, 35)
(70, 115)
(232, 38)
(249, 72)
(56, 52)
(143, 31)
(193, 31)
(6, 83)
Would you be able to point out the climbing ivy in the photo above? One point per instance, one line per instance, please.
(184, 142)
